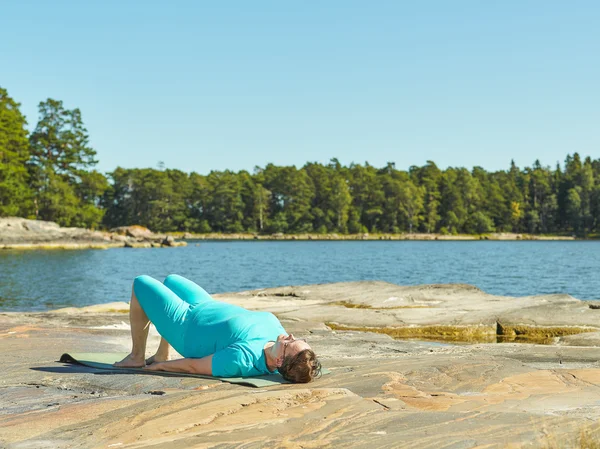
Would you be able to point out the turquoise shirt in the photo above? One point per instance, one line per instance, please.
(236, 337)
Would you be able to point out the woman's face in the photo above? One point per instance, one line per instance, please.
(288, 345)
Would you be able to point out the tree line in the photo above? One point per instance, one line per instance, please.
(48, 174)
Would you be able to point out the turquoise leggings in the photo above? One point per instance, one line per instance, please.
(167, 305)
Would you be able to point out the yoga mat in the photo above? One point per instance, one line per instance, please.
(104, 360)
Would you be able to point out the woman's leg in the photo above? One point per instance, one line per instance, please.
(191, 293)
(161, 354)
(151, 301)
(140, 324)
(187, 290)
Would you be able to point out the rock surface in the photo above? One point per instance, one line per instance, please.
(20, 233)
(382, 392)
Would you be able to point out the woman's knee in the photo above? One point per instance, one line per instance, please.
(142, 284)
(172, 281)
(172, 278)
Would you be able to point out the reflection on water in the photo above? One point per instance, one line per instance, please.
(39, 280)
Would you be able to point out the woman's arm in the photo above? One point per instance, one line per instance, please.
(192, 366)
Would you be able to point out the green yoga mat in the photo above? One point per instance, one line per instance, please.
(104, 360)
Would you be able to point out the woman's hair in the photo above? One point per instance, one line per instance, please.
(301, 368)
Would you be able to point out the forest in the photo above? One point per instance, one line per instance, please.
(49, 174)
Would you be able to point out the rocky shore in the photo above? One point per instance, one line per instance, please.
(20, 233)
(470, 370)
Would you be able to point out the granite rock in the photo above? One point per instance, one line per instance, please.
(382, 391)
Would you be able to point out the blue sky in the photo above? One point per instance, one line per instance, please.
(230, 85)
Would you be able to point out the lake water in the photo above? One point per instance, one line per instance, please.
(41, 280)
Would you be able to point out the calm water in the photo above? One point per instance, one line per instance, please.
(40, 280)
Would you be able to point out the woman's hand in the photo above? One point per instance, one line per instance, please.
(192, 366)
(156, 366)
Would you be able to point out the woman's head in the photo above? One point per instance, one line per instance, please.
(296, 361)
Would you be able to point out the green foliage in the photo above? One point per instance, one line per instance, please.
(60, 141)
(331, 200)
(225, 208)
(292, 194)
(368, 196)
(479, 223)
(159, 200)
(49, 175)
(428, 177)
(15, 193)
(64, 191)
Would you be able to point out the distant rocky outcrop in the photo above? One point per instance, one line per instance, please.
(21, 233)
(135, 231)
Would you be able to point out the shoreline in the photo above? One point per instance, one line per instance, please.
(66, 245)
(83, 245)
(69, 245)
(23, 234)
(383, 236)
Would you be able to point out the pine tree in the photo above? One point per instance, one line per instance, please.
(15, 194)
(60, 157)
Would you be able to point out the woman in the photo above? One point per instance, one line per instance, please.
(215, 338)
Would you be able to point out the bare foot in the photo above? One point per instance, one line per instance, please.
(130, 362)
(156, 358)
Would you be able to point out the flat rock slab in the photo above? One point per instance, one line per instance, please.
(382, 392)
